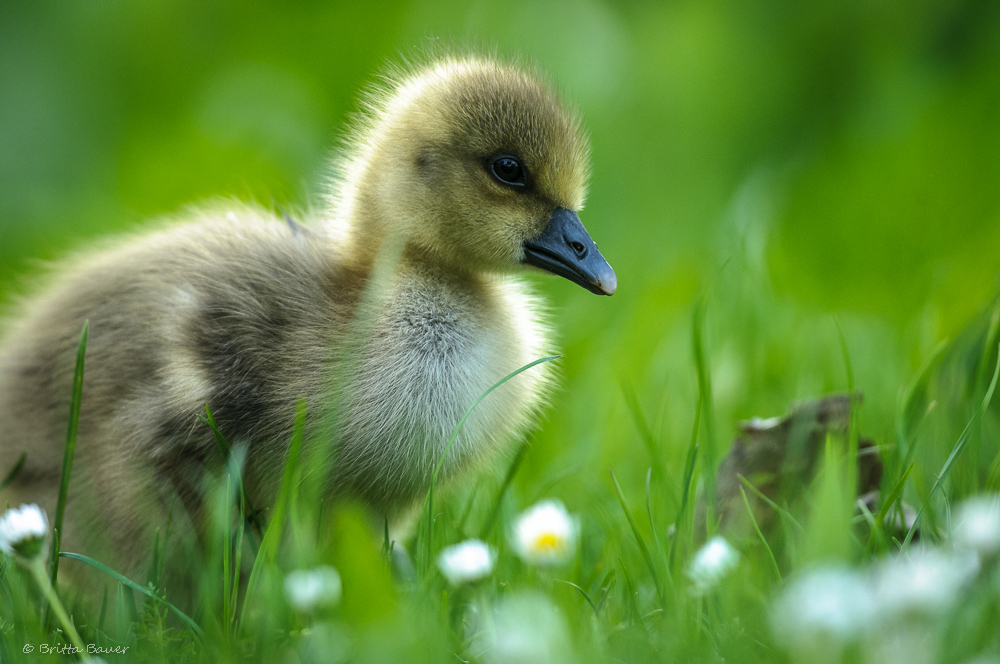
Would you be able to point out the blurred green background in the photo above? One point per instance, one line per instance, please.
(793, 165)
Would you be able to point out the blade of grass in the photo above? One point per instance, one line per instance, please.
(461, 422)
(227, 454)
(634, 612)
(498, 501)
(582, 592)
(705, 398)
(982, 367)
(852, 425)
(467, 512)
(639, 540)
(763, 540)
(911, 413)
(104, 611)
(134, 586)
(866, 516)
(344, 365)
(14, 472)
(652, 524)
(992, 339)
(956, 452)
(123, 619)
(227, 552)
(993, 477)
(632, 401)
(69, 451)
(687, 486)
(607, 584)
(272, 536)
(785, 514)
(427, 523)
(887, 504)
(237, 564)
(156, 566)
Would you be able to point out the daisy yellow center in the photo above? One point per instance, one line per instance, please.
(547, 542)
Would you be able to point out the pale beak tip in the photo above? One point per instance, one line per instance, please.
(608, 283)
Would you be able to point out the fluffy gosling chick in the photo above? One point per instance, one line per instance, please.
(397, 304)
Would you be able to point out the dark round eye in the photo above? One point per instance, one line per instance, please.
(509, 171)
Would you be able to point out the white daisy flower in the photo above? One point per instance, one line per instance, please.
(711, 563)
(546, 534)
(467, 561)
(525, 628)
(977, 525)
(308, 589)
(23, 531)
(926, 580)
(825, 607)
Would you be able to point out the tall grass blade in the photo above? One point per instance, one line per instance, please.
(760, 535)
(427, 528)
(992, 340)
(104, 611)
(982, 367)
(69, 451)
(910, 414)
(606, 586)
(582, 592)
(461, 422)
(134, 586)
(781, 511)
(887, 505)
(253, 516)
(123, 617)
(634, 612)
(470, 503)
(852, 426)
(14, 471)
(993, 477)
(272, 536)
(639, 540)
(345, 362)
(227, 557)
(705, 399)
(498, 501)
(156, 566)
(632, 400)
(956, 452)
(686, 512)
(237, 564)
(649, 514)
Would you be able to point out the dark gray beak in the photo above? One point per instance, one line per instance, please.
(564, 247)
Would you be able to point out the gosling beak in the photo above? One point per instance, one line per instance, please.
(565, 248)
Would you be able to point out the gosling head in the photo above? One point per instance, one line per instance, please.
(481, 167)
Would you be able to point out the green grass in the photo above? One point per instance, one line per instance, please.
(625, 596)
(69, 451)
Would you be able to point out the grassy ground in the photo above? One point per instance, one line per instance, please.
(631, 588)
(798, 201)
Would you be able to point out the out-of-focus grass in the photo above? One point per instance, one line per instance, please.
(790, 166)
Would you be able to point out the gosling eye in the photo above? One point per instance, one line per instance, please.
(508, 170)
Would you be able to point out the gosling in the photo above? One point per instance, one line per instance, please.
(398, 302)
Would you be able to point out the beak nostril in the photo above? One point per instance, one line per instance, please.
(578, 248)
